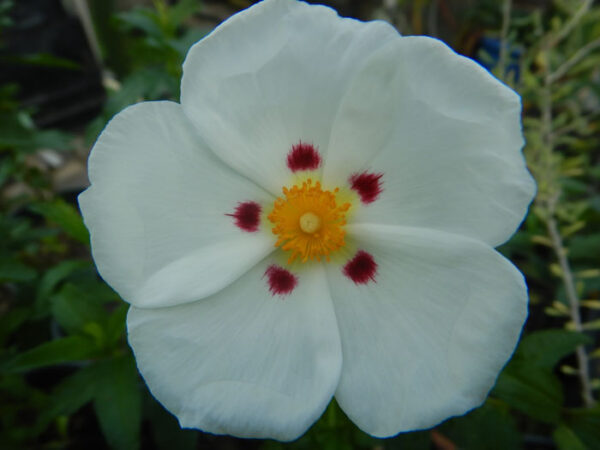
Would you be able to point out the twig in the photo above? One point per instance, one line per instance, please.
(571, 24)
(432, 19)
(567, 276)
(577, 57)
(83, 11)
(551, 200)
(506, 7)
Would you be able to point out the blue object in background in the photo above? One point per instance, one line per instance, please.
(488, 56)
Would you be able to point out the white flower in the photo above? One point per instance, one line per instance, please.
(402, 168)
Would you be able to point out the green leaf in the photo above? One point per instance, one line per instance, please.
(585, 423)
(44, 60)
(13, 134)
(71, 394)
(74, 310)
(142, 19)
(96, 290)
(585, 248)
(118, 403)
(547, 347)
(17, 131)
(182, 10)
(53, 277)
(167, 432)
(20, 402)
(66, 217)
(115, 327)
(54, 139)
(12, 270)
(149, 83)
(72, 348)
(534, 391)
(7, 168)
(415, 440)
(11, 321)
(113, 386)
(489, 427)
(566, 439)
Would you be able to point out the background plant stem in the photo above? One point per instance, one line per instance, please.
(549, 202)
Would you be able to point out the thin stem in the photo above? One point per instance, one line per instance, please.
(547, 131)
(571, 24)
(506, 7)
(432, 18)
(550, 201)
(83, 11)
(571, 292)
(577, 57)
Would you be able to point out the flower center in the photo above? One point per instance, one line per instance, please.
(309, 222)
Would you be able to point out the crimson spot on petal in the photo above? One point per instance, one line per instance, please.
(281, 281)
(361, 268)
(247, 216)
(368, 185)
(303, 156)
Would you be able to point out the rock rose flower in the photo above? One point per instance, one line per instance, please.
(315, 219)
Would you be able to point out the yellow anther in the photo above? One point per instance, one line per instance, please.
(308, 222)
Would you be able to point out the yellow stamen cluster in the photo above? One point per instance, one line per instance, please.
(308, 222)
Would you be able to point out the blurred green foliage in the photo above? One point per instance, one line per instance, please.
(67, 376)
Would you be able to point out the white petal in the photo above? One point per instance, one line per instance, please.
(270, 76)
(156, 210)
(428, 338)
(243, 362)
(445, 134)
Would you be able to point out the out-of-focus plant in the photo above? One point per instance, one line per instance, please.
(560, 88)
(561, 83)
(62, 330)
(153, 42)
(58, 320)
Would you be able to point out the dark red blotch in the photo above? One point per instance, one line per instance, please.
(303, 156)
(362, 268)
(368, 185)
(281, 281)
(247, 216)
